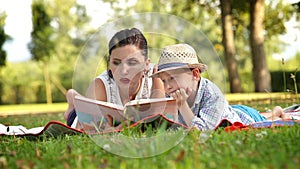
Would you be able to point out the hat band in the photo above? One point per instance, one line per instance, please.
(168, 65)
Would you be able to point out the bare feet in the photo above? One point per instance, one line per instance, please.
(276, 114)
(277, 111)
(279, 114)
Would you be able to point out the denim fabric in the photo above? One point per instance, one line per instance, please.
(71, 117)
(251, 112)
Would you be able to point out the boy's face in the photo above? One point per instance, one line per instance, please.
(174, 80)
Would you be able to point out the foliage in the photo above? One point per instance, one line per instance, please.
(17, 79)
(57, 37)
(277, 78)
(3, 39)
(66, 33)
(205, 15)
(42, 41)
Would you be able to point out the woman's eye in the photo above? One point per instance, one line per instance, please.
(115, 62)
(132, 62)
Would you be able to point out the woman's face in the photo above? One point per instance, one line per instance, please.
(127, 65)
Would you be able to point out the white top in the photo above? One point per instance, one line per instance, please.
(112, 90)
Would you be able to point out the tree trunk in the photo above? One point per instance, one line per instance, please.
(17, 89)
(1, 87)
(47, 84)
(229, 48)
(261, 74)
(1, 92)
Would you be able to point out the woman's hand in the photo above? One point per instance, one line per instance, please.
(110, 124)
(157, 90)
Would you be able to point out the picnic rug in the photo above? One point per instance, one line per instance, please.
(51, 129)
(56, 128)
(265, 124)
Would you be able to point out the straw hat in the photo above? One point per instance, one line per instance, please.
(178, 56)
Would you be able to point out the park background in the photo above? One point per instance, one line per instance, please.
(252, 64)
(69, 28)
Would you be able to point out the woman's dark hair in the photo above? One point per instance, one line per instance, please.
(128, 37)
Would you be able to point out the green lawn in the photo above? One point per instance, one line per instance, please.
(20, 109)
(257, 100)
(255, 148)
(259, 148)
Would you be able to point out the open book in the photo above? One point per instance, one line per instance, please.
(94, 112)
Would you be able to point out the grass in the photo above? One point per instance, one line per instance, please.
(6, 110)
(257, 148)
(254, 99)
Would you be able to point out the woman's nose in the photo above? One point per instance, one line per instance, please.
(124, 69)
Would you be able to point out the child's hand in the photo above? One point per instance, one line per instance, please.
(181, 96)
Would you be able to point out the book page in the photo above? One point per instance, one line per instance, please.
(138, 109)
(92, 112)
(100, 103)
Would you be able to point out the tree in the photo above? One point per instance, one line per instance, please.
(56, 40)
(70, 20)
(21, 81)
(3, 39)
(229, 47)
(42, 45)
(261, 74)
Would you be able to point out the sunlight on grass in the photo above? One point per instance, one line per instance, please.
(32, 108)
(256, 96)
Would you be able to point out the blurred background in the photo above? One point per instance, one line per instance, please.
(258, 42)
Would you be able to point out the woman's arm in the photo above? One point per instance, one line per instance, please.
(96, 90)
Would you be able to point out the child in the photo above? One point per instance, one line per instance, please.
(200, 102)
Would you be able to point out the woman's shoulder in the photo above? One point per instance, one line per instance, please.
(106, 78)
(103, 75)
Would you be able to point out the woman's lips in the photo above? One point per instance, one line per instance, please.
(125, 80)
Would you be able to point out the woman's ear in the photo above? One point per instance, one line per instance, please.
(147, 63)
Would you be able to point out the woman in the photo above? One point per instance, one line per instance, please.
(127, 77)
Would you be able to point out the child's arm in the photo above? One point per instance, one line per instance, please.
(181, 99)
(208, 115)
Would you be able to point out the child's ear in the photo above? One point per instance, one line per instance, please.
(196, 72)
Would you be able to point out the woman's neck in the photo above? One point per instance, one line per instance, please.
(130, 94)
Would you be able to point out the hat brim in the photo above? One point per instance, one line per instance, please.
(202, 67)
